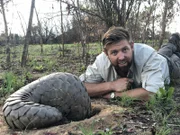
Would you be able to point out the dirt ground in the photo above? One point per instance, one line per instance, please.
(107, 119)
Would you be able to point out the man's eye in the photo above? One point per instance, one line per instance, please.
(125, 49)
(114, 52)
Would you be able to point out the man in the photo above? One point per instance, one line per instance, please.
(124, 68)
(171, 51)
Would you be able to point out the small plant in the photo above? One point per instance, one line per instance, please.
(38, 68)
(163, 131)
(50, 64)
(82, 68)
(27, 76)
(124, 101)
(86, 131)
(32, 62)
(162, 106)
(107, 131)
(162, 101)
(9, 81)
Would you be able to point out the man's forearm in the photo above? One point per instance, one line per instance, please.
(138, 93)
(95, 89)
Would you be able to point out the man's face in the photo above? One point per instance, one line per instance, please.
(120, 54)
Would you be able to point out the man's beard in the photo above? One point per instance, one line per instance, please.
(124, 68)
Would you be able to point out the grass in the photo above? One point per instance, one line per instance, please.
(11, 82)
(51, 60)
(90, 130)
(124, 101)
(161, 105)
(106, 132)
(162, 102)
(87, 130)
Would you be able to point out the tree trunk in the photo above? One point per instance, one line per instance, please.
(81, 30)
(62, 30)
(153, 27)
(123, 17)
(28, 34)
(6, 34)
(147, 23)
(163, 23)
(40, 31)
(135, 33)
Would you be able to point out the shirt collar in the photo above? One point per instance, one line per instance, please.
(130, 72)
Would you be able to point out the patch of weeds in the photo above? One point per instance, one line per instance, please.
(163, 131)
(36, 64)
(87, 130)
(124, 101)
(82, 69)
(50, 64)
(32, 62)
(90, 131)
(163, 107)
(27, 77)
(162, 101)
(39, 68)
(107, 131)
(11, 82)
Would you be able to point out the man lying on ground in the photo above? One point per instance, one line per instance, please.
(132, 69)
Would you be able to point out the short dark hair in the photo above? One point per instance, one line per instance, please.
(114, 35)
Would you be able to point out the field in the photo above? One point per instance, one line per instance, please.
(109, 117)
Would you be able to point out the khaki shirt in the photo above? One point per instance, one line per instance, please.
(149, 70)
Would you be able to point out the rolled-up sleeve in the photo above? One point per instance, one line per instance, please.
(92, 75)
(100, 71)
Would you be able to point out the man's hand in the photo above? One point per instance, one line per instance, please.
(121, 84)
(99, 89)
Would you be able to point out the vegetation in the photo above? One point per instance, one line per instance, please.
(90, 130)
(14, 76)
(39, 52)
(163, 107)
(124, 101)
(87, 131)
(89, 22)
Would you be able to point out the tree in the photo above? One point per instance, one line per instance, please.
(28, 34)
(147, 16)
(164, 21)
(6, 33)
(168, 14)
(39, 31)
(142, 22)
(134, 21)
(62, 29)
(112, 12)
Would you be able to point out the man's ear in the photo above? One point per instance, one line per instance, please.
(105, 51)
(131, 44)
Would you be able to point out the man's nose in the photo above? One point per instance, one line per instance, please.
(120, 55)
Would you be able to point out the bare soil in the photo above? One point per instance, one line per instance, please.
(107, 118)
